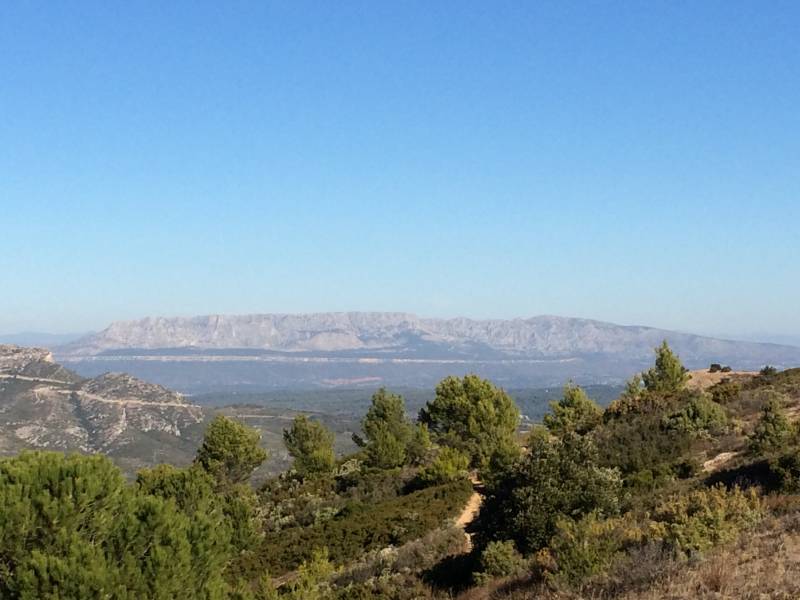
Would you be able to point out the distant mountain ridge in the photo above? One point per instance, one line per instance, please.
(544, 337)
(369, 349)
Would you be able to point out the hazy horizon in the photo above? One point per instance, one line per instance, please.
(61, 337)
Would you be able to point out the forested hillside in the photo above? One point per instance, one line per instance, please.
(679, 488)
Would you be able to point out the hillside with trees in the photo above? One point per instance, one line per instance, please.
(673, 490)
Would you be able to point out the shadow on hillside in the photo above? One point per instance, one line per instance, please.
(452, 574)
(756, 474)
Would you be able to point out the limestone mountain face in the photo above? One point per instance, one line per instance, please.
(328, 349)
(46, 406)
(542, 337)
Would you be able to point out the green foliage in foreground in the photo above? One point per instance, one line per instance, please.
(557, 478)
(699, 415)
(499, 559)
(668, 375)
(230, 451)
(586, 547)
(70, 527)
(470, 414)
(772, 432)
(575, 413)
(697, 521)
(311, 446)
(360, 527)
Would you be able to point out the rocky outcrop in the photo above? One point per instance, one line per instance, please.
(44, 405)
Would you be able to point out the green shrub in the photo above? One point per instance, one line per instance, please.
(557, 478)
(390, 586)
(311, 446)
(694, 522)
(361, 527)
(230, 451)
(70, 527)
(642, 447)
(698, 416)
(499, 559)
(630, 401)
(768, 371)
(724, 393)
(772, 432)
(588, 546)
(473, 416)
(449, 465)
(787, 469)
(312, 579)
(415, 556)
(668, 375)
(575, 412)
(387, 430)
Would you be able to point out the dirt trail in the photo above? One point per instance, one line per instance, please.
(466, 517)
(127, 401)
(471, 510)
(716, 463)
(33, 379)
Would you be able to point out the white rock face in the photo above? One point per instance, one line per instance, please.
(538, 337)
(44, 405)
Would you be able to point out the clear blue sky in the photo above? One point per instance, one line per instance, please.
(637, 162)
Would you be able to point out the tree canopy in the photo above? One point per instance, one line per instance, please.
(311, 446)
(230, 451)
(575, 412)
(772, 432)
(70, 527)
(387, 430)
(558, 478)
(473, 416)
(668, 375)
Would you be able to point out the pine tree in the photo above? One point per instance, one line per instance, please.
(230, 451)
(472, 415)
(575, 412)
(772, 432)
(668, 376)
(311, 446)
(387, 430)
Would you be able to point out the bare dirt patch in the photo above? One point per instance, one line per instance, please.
(702, 379)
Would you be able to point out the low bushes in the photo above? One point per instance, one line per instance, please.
(362, 527)
(694, 522)
(499, 559)
(449, 465)
(412, 557)
(586, 547)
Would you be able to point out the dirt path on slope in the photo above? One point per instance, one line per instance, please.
(464, 520)
(471, 510)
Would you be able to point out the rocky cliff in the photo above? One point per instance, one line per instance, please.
(406, 335)
(44, 405)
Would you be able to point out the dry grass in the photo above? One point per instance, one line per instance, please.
(702, 379)
(763, 564)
